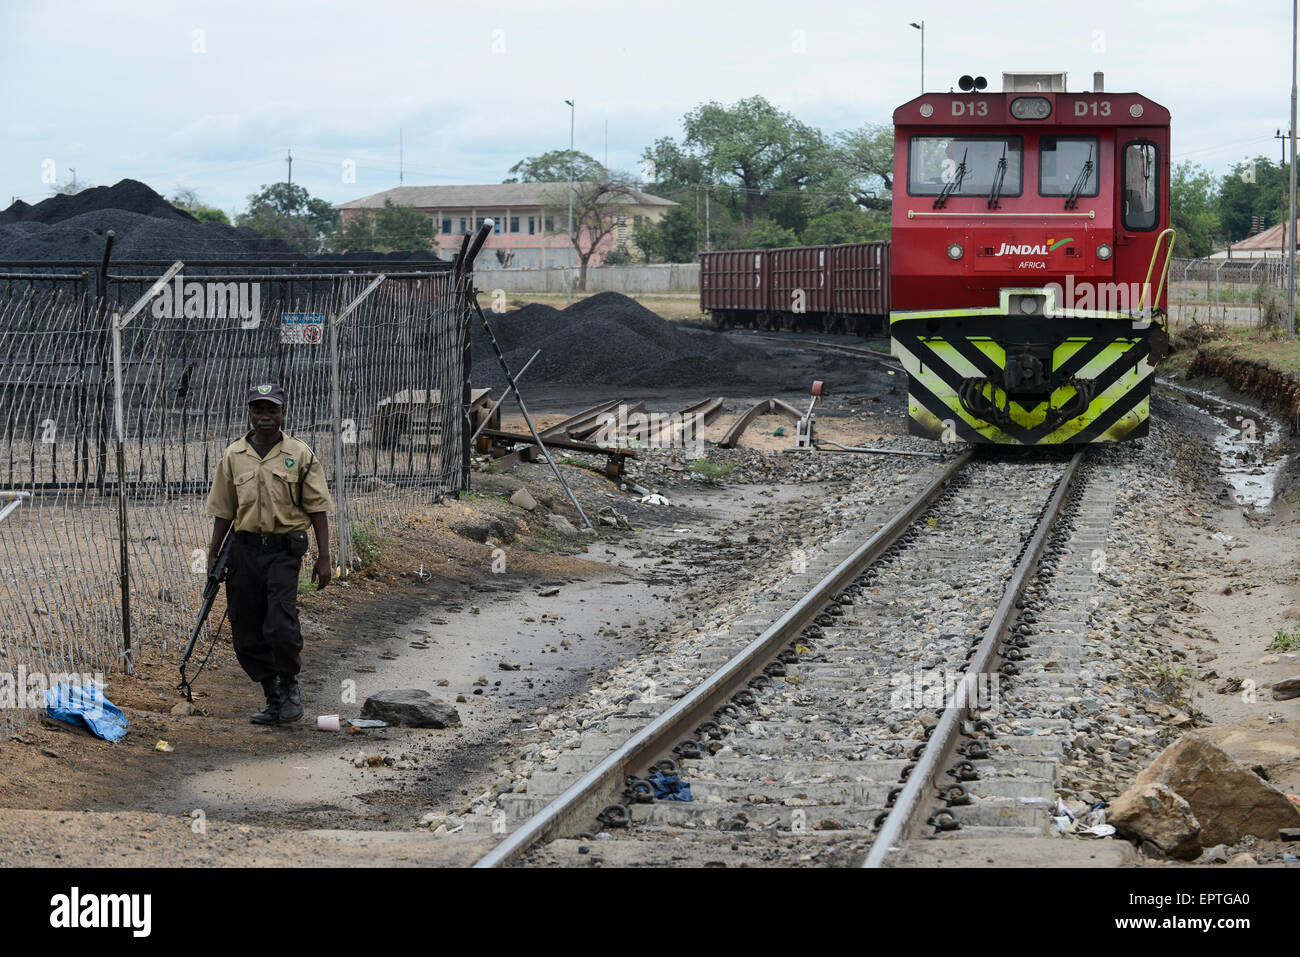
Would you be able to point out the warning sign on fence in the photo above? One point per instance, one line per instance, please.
(302, 328)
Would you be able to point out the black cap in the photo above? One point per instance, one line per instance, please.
(268, 391)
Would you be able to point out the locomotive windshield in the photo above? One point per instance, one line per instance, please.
(933, 162)
(1062, 161)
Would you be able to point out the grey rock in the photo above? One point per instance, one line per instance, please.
(1286, 688)
(412, 708)
(561, 524)
(524, 500)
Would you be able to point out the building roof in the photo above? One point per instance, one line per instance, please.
(491, 194)
(1272, 238)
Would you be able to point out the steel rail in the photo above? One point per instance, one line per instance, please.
(911, 805)
(582, 800)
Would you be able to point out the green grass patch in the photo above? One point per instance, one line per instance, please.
(365, 543)
(1264, 345)
(1285, 641)
(578, 463)
(1170, 682)
(711, 471)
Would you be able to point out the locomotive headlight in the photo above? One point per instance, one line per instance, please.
(927, 110)
(1031, 108)
(955, 251)
(1103, 252)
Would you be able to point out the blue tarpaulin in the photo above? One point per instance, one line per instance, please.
(668, 787)
(86, 706)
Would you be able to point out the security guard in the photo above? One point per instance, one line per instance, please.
(270, 487)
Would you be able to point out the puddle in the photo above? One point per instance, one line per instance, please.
(1249, 460)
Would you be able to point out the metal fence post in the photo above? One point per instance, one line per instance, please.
(1252, 291)
(336, 408)
(1217, 304)
(119, 322)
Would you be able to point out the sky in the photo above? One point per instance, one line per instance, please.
(211, 96)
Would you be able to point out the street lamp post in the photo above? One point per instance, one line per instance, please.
(568, 273)
(921, 26)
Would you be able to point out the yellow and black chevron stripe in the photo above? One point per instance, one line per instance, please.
(1108, 358)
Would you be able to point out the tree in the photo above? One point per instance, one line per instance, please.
(672, 239)
(767, 234)
(1257, 187)
(845, 226)
(391, 229)
(597, 207)
(557, 166)
(867, 156)
(187, 198)
(68, 188)
(754, 155)
(1193, 210)
(672, 170)
(292, 215)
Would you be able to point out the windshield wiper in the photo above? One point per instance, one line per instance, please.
(1072, 200)
(998, 177)
(953, 185)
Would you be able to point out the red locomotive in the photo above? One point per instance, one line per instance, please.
(1027, 266)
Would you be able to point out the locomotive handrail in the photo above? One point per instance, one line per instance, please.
(1164, 272)
(1090, 214)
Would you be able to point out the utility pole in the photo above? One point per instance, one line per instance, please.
(1290, 262)
(568, 273)
(288, 199)
(400, 179)
(708, 236)
(73, 171)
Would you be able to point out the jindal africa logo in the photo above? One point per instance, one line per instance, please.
(1031, 249)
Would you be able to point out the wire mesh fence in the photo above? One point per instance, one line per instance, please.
(376, 390)
(1244, 292)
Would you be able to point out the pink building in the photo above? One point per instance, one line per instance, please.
(530, 220)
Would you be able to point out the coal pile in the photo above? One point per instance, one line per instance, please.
(129, 195)
(607, 339)
(146, 227)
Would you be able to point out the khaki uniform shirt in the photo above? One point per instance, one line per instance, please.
(262, 494)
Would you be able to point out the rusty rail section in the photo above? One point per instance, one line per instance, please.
(574, 810)
(738, 427)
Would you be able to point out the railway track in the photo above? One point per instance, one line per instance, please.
(828, 729)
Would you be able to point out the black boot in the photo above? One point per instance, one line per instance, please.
(290, 700)
(271, 713)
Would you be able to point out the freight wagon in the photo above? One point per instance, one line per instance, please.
(842, 289)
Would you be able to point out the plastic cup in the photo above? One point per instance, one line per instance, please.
(327, 722)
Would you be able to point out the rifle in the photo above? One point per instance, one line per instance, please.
(215, 577)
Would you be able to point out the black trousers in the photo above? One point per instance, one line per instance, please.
(262, 598)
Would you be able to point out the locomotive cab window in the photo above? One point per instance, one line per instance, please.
(1068, 165)
(973, 163)
(1141, 194)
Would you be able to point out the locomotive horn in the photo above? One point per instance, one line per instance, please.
(980, 83)
(967, 83)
